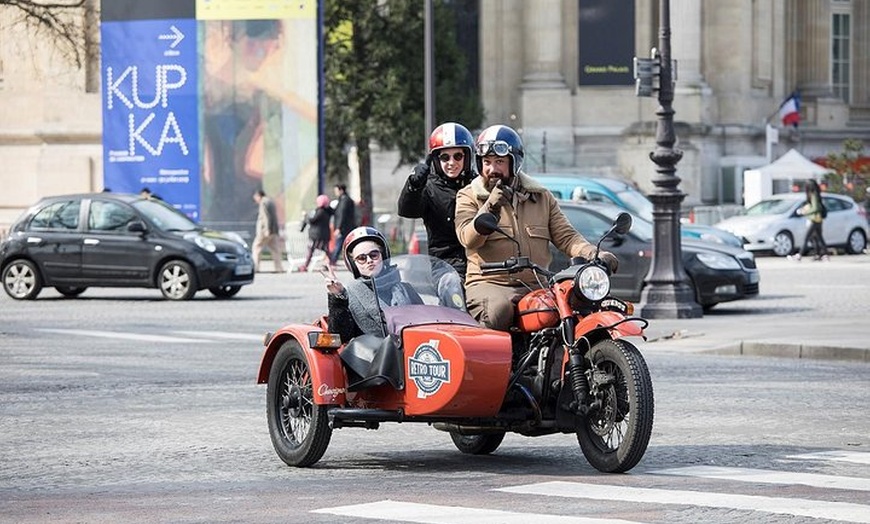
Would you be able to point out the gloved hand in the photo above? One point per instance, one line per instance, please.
(417, 178)
(610, 259)
(499, 196)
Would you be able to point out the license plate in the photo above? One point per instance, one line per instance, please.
(244, 269)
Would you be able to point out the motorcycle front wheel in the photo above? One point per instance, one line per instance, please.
(298, 427)
(615, 432)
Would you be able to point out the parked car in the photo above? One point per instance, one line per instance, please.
(718, 273)
(577, 187)
(774, 225)
(74, 242)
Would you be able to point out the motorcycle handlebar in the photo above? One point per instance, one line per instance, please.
(513, 265)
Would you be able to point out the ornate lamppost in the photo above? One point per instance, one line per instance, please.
(667, 293)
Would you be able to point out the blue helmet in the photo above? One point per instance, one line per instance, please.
(500, 140)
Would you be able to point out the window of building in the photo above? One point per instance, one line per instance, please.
(841, 55)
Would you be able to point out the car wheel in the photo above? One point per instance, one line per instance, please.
(783, 244)
(70, 291)
(176, 280)
(224, 291)
(856, 243)
(21, 280)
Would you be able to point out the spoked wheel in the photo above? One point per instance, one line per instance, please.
(615, 433)
(21, 280)
(70, 291)
(477, 444)
(224, 291)
(299, 428)
(176, 280)
(783, 244)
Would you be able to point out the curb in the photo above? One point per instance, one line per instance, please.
(786, 350)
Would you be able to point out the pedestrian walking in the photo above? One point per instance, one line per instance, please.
(429, 193)
(268, 235)
(814, 210)
(317, 222)
(343, 221)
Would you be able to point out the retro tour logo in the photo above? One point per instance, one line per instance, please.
(428, 369)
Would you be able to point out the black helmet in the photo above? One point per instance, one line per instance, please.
(500, 140)
(358, 235)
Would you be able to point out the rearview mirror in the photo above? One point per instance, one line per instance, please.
(486, 223)
(623, 223)
(136, 227)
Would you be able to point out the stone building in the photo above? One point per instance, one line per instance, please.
(737, 61)
(557, 70)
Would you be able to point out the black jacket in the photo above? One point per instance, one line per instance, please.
(345, 215)
(435, 203)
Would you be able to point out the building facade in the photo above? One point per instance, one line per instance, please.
(737, 61)
(557, 70)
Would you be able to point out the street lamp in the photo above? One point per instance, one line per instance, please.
(667, 293)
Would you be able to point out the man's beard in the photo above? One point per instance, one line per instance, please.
(492, 180)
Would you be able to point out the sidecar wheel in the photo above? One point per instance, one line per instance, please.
(299, 428)
(614, 436)
(477, 444)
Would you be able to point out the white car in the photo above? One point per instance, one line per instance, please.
(774, 224)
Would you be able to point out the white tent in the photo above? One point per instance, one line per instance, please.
(758, 183)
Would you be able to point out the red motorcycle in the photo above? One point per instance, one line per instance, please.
(564, 368)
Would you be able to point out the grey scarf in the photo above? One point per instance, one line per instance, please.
(361, 299)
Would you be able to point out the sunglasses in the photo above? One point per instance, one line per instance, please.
(493, 147)
(444, 157)
(374, 254)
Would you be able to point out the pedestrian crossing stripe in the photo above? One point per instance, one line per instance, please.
(769, 477)
(858, 457)
(125, 336)
(187, 337)
(434, 514)
(820, 509)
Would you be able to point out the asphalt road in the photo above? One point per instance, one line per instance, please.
(119, 406)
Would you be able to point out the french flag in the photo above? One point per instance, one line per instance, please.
(790, 110)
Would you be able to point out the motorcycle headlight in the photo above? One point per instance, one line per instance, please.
(205, 243)
(592, 283)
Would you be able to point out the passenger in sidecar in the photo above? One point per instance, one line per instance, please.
(386, 295)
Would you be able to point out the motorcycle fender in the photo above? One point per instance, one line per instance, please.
(455, 370)
(328, 381)
(603, 319)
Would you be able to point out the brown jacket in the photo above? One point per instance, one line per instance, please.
(534, 220)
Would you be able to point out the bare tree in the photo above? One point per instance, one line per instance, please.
(61, 21)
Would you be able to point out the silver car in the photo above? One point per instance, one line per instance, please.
(774, 225)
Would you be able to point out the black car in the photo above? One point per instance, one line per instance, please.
(718, 273)
(73, 242)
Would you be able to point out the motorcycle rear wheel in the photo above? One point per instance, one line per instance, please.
(615, 436)
(298, 427)
(477, 444)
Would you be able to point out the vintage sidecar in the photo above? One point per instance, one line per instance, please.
(436, 364)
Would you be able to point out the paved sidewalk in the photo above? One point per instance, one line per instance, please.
(804, 310)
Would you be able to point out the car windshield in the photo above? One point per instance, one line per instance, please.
(770, 207)
(165, 216)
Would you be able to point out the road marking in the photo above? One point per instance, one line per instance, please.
(125, 336)
(769, 477)
(857, 457)
(780, 505)
(223, 335)
(432, 514)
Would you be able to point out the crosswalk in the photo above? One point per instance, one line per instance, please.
(168, 337)
(818, 507)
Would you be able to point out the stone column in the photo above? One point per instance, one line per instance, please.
(544, 97)
(686, 24)
(542, 29)
(814, 21)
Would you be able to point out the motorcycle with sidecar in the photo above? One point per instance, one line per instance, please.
(565, 367)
